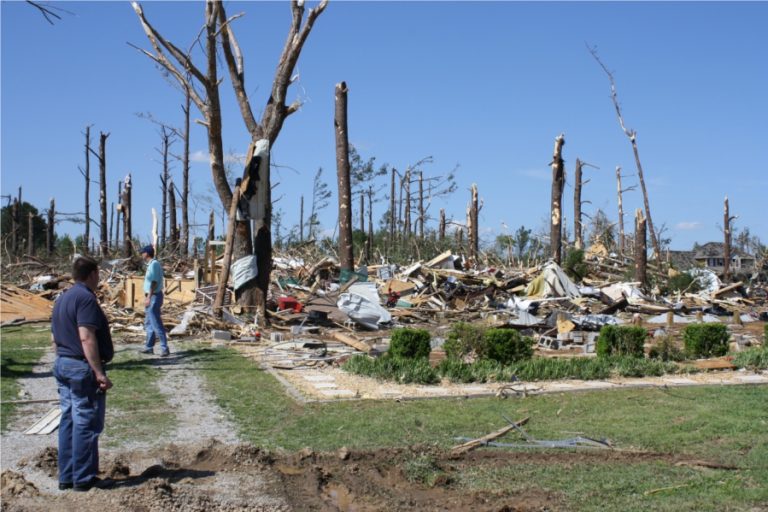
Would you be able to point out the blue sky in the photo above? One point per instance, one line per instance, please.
(486, 86)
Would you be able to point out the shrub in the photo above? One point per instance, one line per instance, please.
(705, 340)
(666, 350)
(464, 339)
(396, 369)
(621, 340)
(456, 370)
(507, 346)
(410, 344)
(575, 266)
(753, 359)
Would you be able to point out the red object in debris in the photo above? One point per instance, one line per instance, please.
(284, 303)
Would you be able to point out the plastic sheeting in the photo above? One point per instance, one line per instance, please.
(361, 304)
(244, 271)
(707, 279)
(552, 282)
(621, 290)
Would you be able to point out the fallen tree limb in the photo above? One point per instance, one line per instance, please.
(471, 445)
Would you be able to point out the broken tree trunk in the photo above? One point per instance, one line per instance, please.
(641, 249)
(441, 228)
(173, 228)
(49, 232)
(164, 178)
(218, 303)
(15, 226)
(346, 256)
(578, 241)
(421, 205)
(474, 230)
(558, 181)
(369, 240)
(726, 241)
(184, 242)
(471, 445)
(111, 224)
(362, 212)
(30, 234)
(621, 211)
(392, 216)
(103, 239)
(126, 212)
(87, 234)
(117, 215)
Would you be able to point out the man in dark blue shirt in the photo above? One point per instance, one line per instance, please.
(80, 333)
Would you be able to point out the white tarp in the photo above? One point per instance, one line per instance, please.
(361, 304)
(707, 279)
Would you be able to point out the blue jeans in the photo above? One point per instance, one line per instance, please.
(82, 420)
(153, 324)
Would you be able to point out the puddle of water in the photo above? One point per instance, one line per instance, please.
(341, 498)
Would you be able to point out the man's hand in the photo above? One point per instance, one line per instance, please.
(147, 301)
(104, 382)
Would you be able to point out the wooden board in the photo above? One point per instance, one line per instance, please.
(46, 424)
(18, 304)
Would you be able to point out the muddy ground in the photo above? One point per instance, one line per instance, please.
(216, 477)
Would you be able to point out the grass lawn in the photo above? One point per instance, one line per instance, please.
(136, 413)
(726, 425)
(20, 349)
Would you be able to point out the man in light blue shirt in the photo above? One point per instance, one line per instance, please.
(153, 301)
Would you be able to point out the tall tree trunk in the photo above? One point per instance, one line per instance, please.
(174, 228)
(103, 237)
(117, 215)
(111, 224)
(474, 230)
(184, 242)
(126, 211)
(164, 181)
(369, 241)
(301, 220)
(15, 226)
(441, 229)
(218, 303)
(31, 235)
(620, 192)
(211, 226)
(346, 255)
(577, 234)
(558, 181)
(726, 242)
(641, 250)
(654, 238)
(362, 212)
(407, 206)
(87, 234)
(421, 205)
(392, 211)
(50, 234)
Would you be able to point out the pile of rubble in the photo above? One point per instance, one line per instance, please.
(324, 313)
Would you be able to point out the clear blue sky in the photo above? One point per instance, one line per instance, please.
(487, 86)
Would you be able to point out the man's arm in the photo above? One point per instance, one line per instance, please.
(91, 349)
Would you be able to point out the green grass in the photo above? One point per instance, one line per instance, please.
(724, 424)
(136, 409)
(21, 348)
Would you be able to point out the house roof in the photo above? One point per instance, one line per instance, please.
(715, 250)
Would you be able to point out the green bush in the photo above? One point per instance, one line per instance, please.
(575, 266)
(456, 370)
(666, 350)
(621, 340)
(464, 339)
(682, 282)
(410, 344)
(753, 359)
(507, 346)
(706, 340)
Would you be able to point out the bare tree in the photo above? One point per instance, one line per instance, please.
(103, 235)
(558, 182)
(125, 210)
(727, 219)
(578, 182)
(346, 255)
(87, 174)
(181, 67)
(641, 251)
(620, 192)
(632, 136)
(50, 235)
